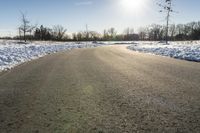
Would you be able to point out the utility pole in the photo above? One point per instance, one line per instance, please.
(167, 7)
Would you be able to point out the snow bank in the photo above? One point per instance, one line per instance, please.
(13, 53)
(182, 50)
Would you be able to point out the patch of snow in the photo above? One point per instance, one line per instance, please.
(186, 50)
(13, 53)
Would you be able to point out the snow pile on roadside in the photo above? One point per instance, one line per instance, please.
(12, 53)
(182, 50)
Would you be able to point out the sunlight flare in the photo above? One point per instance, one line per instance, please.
(133, 5)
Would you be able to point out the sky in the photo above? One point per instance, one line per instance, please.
(97, 14)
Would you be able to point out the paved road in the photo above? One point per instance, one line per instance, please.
(105, 89)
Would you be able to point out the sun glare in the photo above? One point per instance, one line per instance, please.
(132, 5)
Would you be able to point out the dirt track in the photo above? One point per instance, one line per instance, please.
(105, 89)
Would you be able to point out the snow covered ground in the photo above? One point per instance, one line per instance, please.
(187, 50)
(13, 53)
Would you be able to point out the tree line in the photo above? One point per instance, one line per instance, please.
(58, 33)
(153, 32)
(179, 32)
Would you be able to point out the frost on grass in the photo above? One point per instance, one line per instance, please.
(182, 50)
(13, 53)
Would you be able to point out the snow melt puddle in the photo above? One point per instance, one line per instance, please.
(181, 50)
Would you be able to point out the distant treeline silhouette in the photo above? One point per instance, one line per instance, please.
(153, 32)
(179, 32)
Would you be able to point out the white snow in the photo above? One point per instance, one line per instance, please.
(186, 50)
(13, 53)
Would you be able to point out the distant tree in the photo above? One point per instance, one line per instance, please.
(172, 31)
(79, 36)
(59, 32)
(179, 31)
(158, 32)
(186, 31)
(94, 35)
(129, 34)
(142, 34)
(179, 28)
(195, 35)
(192, 26)
(105, 35)
(168, 9)
(153, 32)
(112, 33)
(66, 37)
(43, 33)
(25, 26)
(74, 37)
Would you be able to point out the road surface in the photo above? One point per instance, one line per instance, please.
(102, 90)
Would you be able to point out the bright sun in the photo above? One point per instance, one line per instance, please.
(132, 5)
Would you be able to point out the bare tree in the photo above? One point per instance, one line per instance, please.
(192, 27)
(95, 35)
(74, 37)
(25, 26)
(79, 36)
(142, 33)
(59, 32)
(186, 31)
(179, 28)
(167, 7)
(128, 34)
(172, 30)
(105, 35)
(112, 32)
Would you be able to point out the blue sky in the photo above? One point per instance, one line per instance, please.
(98, 14)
